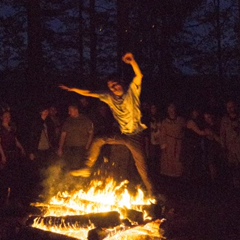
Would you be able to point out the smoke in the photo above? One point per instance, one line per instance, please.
(58, 179)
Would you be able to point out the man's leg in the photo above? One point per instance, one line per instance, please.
(135, 144)
(92, 157)
(94, 153)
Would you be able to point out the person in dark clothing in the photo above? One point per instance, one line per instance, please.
(41, 142)
(12, 152)
(103, 120)
(154, 140)
(194, 166)
(230, 141)
(57, 123)
(214, 155)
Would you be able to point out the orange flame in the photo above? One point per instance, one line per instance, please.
(100, 197)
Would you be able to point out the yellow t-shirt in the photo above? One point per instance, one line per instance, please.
(126, 109)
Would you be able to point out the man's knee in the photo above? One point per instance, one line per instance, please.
(98, 142)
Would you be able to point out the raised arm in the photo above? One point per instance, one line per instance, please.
(82, 92)
(129, 59)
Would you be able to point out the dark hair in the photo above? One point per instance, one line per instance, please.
(115, 78)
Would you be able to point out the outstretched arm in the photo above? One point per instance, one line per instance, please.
(129, 59)
(82, 92)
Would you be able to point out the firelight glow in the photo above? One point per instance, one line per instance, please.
(99, 198)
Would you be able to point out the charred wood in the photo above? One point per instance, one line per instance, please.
(101, 220)
(132, 215)
(97, 234)
(37, 234)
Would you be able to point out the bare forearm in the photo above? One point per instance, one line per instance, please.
(19, 145)
(136, 69)
(82, 92)
(62, 140)
(2, 152)
(129, 59)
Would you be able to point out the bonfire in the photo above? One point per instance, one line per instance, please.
(104, 210)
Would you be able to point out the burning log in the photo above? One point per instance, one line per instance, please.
(55, 208)
(148, 231)
(154, 210)
(101, 220)
(132, 215)
(97, 234)
(38, 234)
(68, 214)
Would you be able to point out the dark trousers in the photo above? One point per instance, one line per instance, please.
(11, 176)
(135, 143)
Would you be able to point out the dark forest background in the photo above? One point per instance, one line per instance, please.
(188, 50)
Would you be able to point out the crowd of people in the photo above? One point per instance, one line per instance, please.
(201, 148)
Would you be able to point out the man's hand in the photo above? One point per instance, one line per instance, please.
(32, 156)
(23, 152)
(63, 87)
(60, 152)
(128, 58)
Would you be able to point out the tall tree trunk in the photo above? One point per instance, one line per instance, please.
(35, 55)
(122, 31)
(165, 66)
(238, 33)
(80, 39)
(93, 41)
(219, 41)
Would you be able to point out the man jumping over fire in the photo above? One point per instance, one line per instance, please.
(125, 106)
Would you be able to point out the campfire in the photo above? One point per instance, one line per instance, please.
(105, 210)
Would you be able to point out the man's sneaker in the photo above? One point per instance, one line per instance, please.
(82, 172)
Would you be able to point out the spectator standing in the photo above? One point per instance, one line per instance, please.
(213, 148)
(172, 134)
(171, 167)
(103, 120)
(193, 163)
(86, 107)
(41, 151)
(11, 151)
(154, 129)
(54, 116)
(230, 139)
(76, 137)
